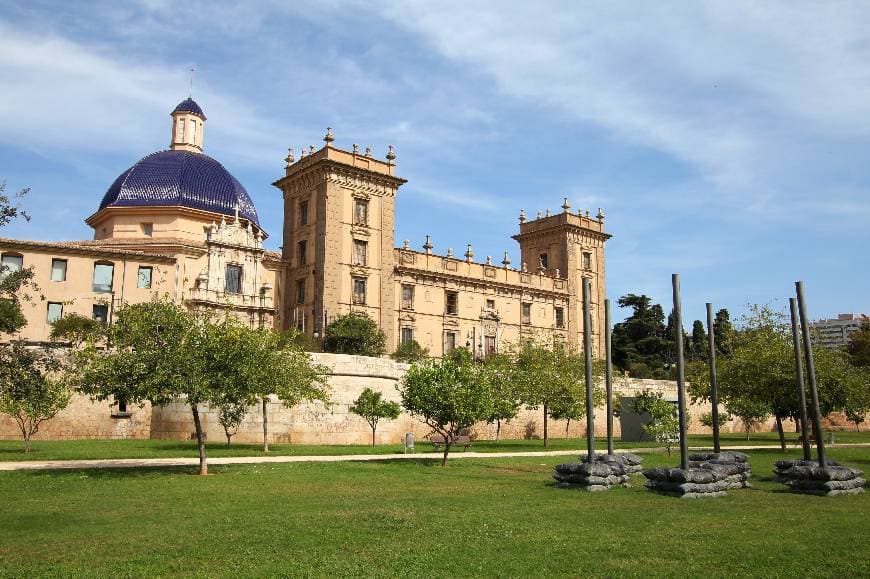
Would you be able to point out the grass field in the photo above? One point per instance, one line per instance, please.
(11, 450)
(474, 517)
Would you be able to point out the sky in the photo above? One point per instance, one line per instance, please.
(725, 141)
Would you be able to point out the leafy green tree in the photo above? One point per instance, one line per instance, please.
(448, 395)
(548, 376)
(707, 419)
(354, 333)
(230, 416)
(639, 343)
(505, 397)
(158, 354)
(749, 410)
(858, 347)
(12, 283)
(77, 329)
(410, 352)
(373, 408)
(663, 424)
(723, 331)
(31, 387)
(698, 343)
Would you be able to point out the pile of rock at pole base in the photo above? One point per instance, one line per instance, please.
(603, 472)
(706, 480)
(807, 477)
(734, 464)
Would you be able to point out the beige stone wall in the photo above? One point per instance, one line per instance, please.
(84, 418)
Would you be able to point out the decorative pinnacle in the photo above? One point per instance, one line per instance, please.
(469, 255)
(540, 214)
(302, 152)
(428, 245)
(328, 137)
(488, 260)
(506, 261)
(406, 244)
(525, 267)
(310, 149)
(587, 214)
(391, 155)
(548, 212)
(450, 252)
(600, 216)
(290, 159)
(566, 207)
(522, 218)
(368, 151)
(355, 149)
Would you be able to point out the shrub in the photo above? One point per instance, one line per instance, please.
(410, 352)
(354, 333)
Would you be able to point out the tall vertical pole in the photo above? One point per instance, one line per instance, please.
(587, 350)
(799, 379)
(714, 385)
(811, 373)
(681, 373)
(608, 375)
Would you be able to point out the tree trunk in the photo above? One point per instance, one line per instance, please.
(228, 440)
(26, 442)
(545, 425)
(200, 440)
(497, 429)
(781, 433)
(567, 426)
(748, 428)
(265, 424)
(446, 450)
(373, 435)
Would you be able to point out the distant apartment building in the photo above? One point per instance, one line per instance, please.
(835, 333)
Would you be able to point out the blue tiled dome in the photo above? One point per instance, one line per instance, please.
(180, 178)
(189, 105)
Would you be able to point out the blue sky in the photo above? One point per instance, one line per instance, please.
(725, 141)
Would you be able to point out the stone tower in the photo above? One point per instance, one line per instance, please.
(188, 125)
(571, 246)
(339, 213)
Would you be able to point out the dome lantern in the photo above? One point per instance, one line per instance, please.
(188, 124)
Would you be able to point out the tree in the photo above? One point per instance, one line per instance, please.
(707, 419)
(77, 329)
(723, 331)
(31, 390)
(230, 416)
(639, 343)
(448, 395)
(549, 375)
(749, 410)
(373, 408)
(410, 352)
(698, 344)
(505, 398)
(858, 348)
(354, 333)
(158, 354)
(663, 425)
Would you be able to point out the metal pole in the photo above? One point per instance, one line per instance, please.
(811, 373)
(608, 375)
(587, 350)
(799, 379)
(681, 373)
(714, 385)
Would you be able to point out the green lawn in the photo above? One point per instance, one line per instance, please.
(11, 450)
(474, 517)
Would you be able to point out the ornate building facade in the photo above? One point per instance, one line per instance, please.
(178, 223)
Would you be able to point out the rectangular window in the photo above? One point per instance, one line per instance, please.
(11, 263)
(360, 212)
(451, 301)
(490, 304)
(101, 313)
(560, 318)
(181, 131)
(360, 252)
(544, 261)
(302, 252)
(148, 229)
(143, 280)
(526, 313)
(407, 297)
(407, 335)
(300, 291)
(58, 270)
(359, 290)
(55, 312)
(103, 274)
(587, 260)
(233, 282)
(192, 132)
(449, 342)
(303, 213)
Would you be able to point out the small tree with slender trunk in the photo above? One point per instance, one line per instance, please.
(371, 406)
(230, 417)
(448, 395)
(505, 398)
(31, 390)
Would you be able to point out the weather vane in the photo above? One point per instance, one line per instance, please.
(191, 70)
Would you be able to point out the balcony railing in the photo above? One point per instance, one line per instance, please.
(261, 301)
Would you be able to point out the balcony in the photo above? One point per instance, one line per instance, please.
(262, 301)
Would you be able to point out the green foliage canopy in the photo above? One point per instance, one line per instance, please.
(354, 333)
(373, 408)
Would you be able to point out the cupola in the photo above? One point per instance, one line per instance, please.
(188, 123)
